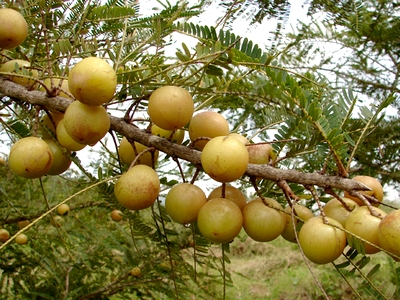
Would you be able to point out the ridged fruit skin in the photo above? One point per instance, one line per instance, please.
(30, 157)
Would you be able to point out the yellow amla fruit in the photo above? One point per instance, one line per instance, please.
(21, 67)
(13, 28)
(86, 124)
(30, 157)
(220, 220)
(138, 188)
(92, 81)
(127, 153)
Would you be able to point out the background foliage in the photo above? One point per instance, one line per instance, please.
(323, 110)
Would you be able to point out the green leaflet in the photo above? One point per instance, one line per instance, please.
(246, 50)
(105, 12)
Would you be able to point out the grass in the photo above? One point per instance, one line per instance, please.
(276, 270)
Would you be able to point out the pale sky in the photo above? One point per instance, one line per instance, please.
(257, 33)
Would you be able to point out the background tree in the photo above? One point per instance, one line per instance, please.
(265, 95)
(362, 38)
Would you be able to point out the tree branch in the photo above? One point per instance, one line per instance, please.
(13, 90)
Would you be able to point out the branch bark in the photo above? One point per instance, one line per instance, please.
(13, 90)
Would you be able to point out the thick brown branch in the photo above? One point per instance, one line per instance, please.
(13, 90)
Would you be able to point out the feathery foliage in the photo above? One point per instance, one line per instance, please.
(278, 96)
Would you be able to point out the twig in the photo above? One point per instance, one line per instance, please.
(140, 154)
(67, 283)
(332, 192)
(289, 194)
(130, 131)
(316, 198)
(180, 168)
(196, 174)
(366, 202)
(192, 144)
(133, 238)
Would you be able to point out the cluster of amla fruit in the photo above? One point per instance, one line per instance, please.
(221, 216)
(92, 82)
(13, 32)
(224, 157)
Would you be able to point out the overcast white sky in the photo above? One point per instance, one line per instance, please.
(258, 33)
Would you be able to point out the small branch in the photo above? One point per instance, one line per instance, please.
(67, 283)
(140, 154)
(366, 202)
(316, 198)
(332, 192)
(119, 125)
(134, 239)
(196, 174)
(253, 181)
(223, 190)
(289, 194)
(192, 145)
